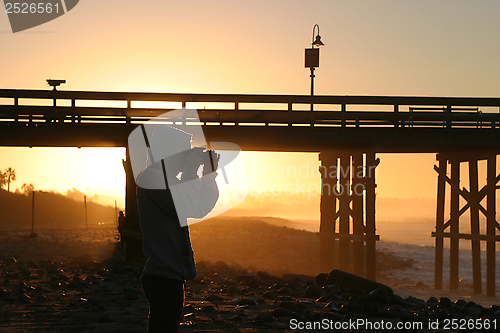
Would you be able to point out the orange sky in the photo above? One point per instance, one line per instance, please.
(429, 48)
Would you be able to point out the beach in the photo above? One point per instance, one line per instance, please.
(77, 280)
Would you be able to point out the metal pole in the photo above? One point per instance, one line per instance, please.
(312, 87)
(312, 82)
(33, 212)
(116, 213)
(85, 204)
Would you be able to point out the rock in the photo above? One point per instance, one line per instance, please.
(379, 295)
(104, 319)
(302, 277)
(486, 313)
(247, 301)
(299, 316)
(332, 288)
(208, 309)
(333, 306)
(214, 299)
(284, 291)
(471, 309)
(188, 309)
(253, 284)
(356, 290)
(263, 319)
(495, 308)
(245, 278)
(270, 295)
(221, 265)
(444, 302)
(353, 308)
(432, 300)
(24, 298)
(333, 316)
(236, 318)
(314, 292)
(282, 312)
(234, 290)
(278, 285)
(396, 299)
(313, 317)
(412, 301)
(322, 279)
(323, 299)
(347, 280)
(264, 275)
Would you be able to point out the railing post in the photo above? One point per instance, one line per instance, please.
(129, 107)
(448, 116)
(396, 115)
(236, 108)
(343, 115)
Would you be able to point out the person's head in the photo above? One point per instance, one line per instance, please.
(175, 164)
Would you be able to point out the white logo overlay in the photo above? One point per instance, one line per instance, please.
(166, 149)
(27, 14)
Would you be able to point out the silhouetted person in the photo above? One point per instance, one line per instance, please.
(163, 215)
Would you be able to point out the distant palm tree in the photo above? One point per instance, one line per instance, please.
(10, 176)
(27, 189)
(2, 179)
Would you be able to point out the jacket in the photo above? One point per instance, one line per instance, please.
(166, 240)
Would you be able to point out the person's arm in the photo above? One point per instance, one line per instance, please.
(195, 197)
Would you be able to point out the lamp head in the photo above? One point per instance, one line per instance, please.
(318, 41)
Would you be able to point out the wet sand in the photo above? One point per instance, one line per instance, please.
(74, 280)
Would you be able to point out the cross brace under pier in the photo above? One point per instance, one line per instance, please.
(347, 230)
(473, 204)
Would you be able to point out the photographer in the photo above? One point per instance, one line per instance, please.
(163, 214)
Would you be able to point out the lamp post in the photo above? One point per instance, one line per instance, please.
(312, 56)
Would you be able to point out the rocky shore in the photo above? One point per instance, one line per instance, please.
(76, 281)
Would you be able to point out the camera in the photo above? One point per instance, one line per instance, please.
(210, 154)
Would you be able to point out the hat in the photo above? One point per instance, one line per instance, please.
(154, 141)
(166, 141)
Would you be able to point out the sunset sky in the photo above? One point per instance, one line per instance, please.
(417, 48)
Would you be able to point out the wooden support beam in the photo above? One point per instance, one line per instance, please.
(463, 192)
(344, 211)
(474, 225)
(371, 164)
(454, 227)
(358, 227)
(328, 210)
(491, 225)
(441, 191)
(492, 238)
